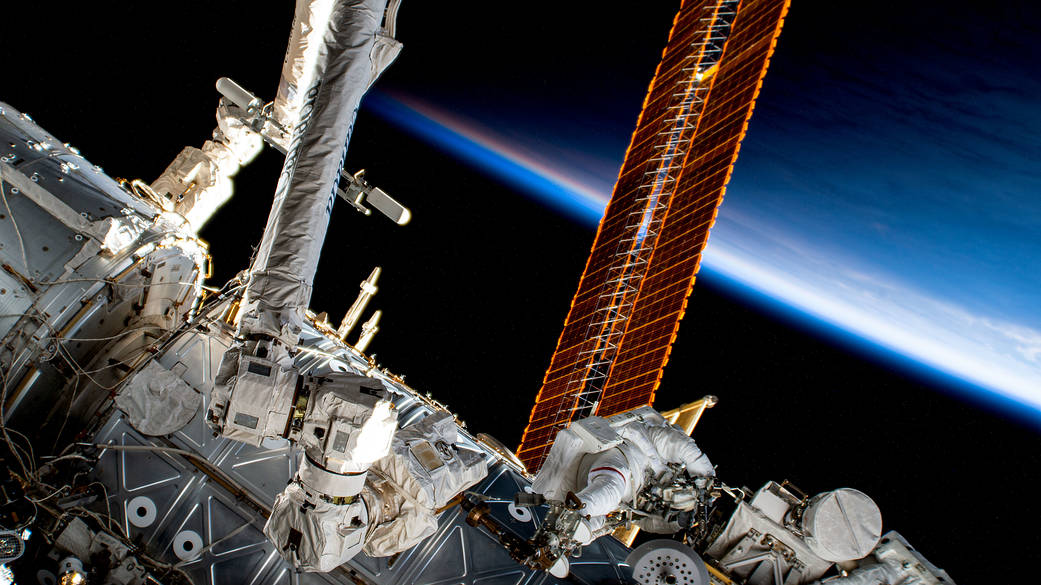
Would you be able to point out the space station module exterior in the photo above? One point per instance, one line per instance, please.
(607, 462)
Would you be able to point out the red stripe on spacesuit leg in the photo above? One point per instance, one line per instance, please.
(620, 474)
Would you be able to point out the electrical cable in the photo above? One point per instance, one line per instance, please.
(17, 232)
(3, 425)
(111, 282)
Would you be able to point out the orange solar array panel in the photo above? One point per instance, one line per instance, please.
(633, 293)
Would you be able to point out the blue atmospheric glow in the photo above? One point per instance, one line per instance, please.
(999, 388)
(485, 159)
(750, 293)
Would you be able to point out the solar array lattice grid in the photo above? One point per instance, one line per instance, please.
(634, 289)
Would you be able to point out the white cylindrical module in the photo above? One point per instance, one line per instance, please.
(238, 95)
(842, 525)
(330, 483)
(93, 273)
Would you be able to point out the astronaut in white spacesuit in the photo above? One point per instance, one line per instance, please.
(613, 463)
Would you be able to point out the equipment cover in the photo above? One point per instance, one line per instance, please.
(283, 269)
(157, 401)
(313, 534)
(893, 562)
(424, 471)
(309, 24)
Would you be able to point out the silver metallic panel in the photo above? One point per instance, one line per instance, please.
(187, 500)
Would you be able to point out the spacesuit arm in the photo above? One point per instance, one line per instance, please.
(673, 445)
(607, 483)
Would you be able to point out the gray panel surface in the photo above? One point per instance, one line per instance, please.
(188, 500)
(162, 499)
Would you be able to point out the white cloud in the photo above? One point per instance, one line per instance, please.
(994, 354)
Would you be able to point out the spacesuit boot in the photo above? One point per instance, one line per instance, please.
(588, 530)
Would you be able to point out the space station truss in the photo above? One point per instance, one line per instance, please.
(633, 292)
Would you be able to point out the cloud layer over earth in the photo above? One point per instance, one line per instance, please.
(998, 355)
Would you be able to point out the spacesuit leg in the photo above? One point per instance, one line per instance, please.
(589, 529)
(607, 483)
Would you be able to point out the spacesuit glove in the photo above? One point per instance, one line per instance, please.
(586, 531)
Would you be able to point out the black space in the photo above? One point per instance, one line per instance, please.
(476, 288)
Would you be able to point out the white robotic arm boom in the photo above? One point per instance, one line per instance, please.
(198, 181)
(257, 384)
